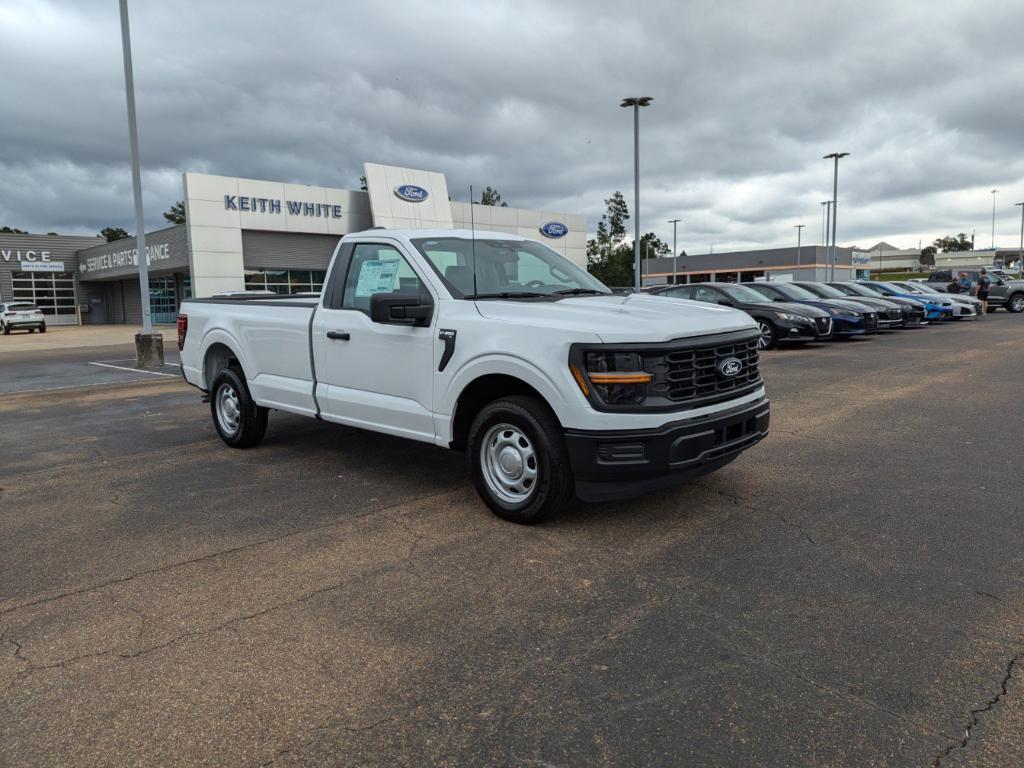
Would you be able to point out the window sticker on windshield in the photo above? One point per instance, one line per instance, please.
(377, 277)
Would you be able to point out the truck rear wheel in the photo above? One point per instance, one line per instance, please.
(518, 460)
(238, 420)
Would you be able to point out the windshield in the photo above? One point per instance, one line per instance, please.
(888, 290)
(504, 269)
(827, 291)
(742, 293)
(793, 292)
(922, 288)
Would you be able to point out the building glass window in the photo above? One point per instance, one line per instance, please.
(285, 280)
(52, 292)
(163, 300)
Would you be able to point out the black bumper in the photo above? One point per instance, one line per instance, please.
(617, 464)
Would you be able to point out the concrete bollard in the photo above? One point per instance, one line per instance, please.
(149, 350)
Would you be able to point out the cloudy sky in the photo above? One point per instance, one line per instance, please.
(926, 96)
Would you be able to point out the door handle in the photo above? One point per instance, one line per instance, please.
(338, 335)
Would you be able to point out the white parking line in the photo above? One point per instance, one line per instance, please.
(135, 370)
(130, 360)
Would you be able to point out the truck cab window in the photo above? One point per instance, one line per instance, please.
(377, 268)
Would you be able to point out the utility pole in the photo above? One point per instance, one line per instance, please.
(675, 251)
(835, 203)
(799, 231)
(149, 347)
(636, 102)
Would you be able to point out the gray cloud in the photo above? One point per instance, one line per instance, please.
(524, 96)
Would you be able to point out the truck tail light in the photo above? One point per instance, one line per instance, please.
(182, 331)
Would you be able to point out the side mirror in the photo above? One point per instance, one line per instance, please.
(401, 309)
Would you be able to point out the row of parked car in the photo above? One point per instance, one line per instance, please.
(801, 312)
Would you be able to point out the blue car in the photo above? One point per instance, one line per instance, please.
(939, 308)
(848, 317)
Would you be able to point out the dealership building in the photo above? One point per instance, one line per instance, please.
(247, 234)
(811, 262)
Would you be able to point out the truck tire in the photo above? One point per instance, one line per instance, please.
(518, 460)
(42, 329)
(238, 420)
(1016, 303)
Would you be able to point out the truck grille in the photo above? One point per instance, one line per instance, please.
(692, 375)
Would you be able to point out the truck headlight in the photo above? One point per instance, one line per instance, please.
(618, 378)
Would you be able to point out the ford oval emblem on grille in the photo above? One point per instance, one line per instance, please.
(554, 229)
(411, 193)
(730, 367)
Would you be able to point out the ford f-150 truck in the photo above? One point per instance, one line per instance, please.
(495, 345)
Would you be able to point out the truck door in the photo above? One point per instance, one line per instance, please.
(376, 375)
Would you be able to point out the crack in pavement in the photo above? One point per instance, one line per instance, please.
(1004, 689)
(220, 553)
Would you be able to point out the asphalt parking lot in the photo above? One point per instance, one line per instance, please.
(847, 593)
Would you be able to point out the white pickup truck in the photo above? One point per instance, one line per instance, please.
(495, 345)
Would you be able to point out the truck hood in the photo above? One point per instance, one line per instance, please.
(621, 319)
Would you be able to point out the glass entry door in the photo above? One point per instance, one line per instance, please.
(163, 300)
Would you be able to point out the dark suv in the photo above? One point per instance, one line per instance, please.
(779, 323)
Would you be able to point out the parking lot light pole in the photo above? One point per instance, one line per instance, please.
(149, 346)
(636, 102)
(835, 203)
(799, 231)
(675, 251)
(1020, 253)
(994, 193)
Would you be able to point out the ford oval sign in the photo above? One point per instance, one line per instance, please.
(554, 229)
(411, 193)
(730, 367)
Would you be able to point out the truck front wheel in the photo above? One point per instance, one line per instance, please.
(518, 460)
(238, 420)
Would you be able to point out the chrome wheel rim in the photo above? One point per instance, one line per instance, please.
(765, 339)
(508, 462)
(229, 413)
(1018, 303)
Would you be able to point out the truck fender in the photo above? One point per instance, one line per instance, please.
(495, 364)
(224, 338)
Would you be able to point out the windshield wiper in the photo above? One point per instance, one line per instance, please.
(580, 292)
(508, 295)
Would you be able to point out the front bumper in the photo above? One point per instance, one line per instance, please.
(790, 331)
(842, 326)
(615, 464)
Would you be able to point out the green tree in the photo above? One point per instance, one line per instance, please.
(12, 231)
(491, 196)
(362, 184)
(950, 243)
(609, 254)
(113, 233)
(176, 214)
(927, 257)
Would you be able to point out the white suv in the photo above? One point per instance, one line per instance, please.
(21, 314)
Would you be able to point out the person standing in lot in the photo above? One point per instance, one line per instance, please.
(982, 294)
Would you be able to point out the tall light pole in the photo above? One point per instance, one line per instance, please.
(1020, 253)
(994, 193)
(148, 346)
(799, 231)
(636, 102)
(675, 251)
(835, 203)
